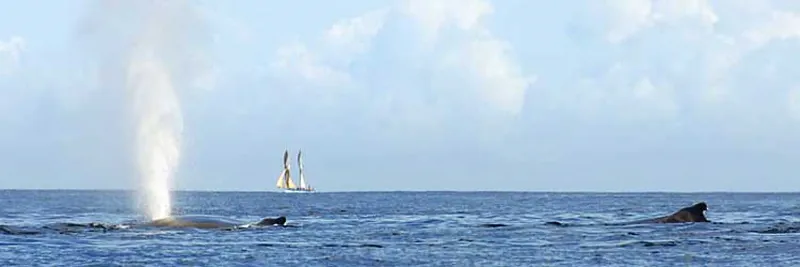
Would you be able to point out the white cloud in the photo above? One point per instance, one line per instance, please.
(354, 36)
(765, 24)
(617, 94)
(500, 80)
(298, 60)
(485, 58)
(625, 18)
(434, 15)
(11, 53)
(453, 31)
(672, 10)
(690, 53)
(227, 26)
(342, 41)
(781, 25)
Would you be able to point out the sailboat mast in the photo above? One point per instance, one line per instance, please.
(300, 169)
(286, 165)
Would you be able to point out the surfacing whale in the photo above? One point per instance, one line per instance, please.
(694, 213)
(186, 221)
(207, 222)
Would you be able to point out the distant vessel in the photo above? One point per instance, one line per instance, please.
(285, 179)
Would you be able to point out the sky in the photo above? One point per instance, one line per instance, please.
(478, 95)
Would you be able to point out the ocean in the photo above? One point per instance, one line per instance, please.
(408, 229)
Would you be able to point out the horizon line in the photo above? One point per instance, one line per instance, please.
(420, 191)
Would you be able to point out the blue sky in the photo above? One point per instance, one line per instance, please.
(614, 95)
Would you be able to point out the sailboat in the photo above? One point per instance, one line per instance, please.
(285, 179)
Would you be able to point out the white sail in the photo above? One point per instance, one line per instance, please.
(285, 179)
(281, 181)
(300, 169)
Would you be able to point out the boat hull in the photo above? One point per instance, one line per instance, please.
(298, 191)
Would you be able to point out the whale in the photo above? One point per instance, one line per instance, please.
(694, 213)
(691, 214)
(185, 221)
(209, 222)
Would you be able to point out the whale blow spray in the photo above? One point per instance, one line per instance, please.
(159, 126)
(149, 48)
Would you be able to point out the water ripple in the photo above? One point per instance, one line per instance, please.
(419, 229)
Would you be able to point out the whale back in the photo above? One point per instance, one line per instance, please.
(195, 221)
(272, 221)
(694, 213)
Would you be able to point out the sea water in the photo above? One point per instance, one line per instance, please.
(410, 229)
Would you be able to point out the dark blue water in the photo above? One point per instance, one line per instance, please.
(409, 229)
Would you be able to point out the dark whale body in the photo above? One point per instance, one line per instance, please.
(694, 213)
(208, 222)
(190, 221)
